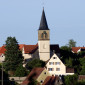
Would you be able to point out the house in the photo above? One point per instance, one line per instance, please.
(56, 67)
(77, 49)
(39, 74)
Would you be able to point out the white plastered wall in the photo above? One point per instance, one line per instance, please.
(61, 66)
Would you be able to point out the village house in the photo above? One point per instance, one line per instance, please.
(56, 67)
(43, 77)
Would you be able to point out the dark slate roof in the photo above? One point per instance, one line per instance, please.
(43, 22)
(55, 47)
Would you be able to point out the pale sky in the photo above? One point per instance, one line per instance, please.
(21, 19)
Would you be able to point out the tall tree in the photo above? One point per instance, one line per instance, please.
(13, 54)
(71, 43)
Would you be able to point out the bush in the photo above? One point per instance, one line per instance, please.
(35, 63)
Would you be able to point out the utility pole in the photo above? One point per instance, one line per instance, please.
(2, 73)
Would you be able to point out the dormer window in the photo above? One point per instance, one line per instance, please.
(54, 57)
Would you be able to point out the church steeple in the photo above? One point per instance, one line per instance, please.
(44, 39)
(43, 22)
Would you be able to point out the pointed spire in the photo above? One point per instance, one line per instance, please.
(43, 23)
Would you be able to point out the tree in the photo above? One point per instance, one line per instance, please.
(71, 43)
(70, 80)
(69, 62)
(82, 63)
(65, 48)
(13, 55)
(20, 71)
(35, 63)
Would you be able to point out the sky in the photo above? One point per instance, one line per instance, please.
(21, 19)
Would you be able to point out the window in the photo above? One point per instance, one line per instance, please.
(50, 69)
(54, 57)
(57, 63)
(51, 63)
(44, 72)
(41, 81)
(57, 69)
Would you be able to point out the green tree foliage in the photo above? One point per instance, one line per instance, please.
(82, 63)
(81, 83)
(70, 80)
(81, 54)
(20, 71)
(65, 48)
(35, 63)
(13, 54)
(69, 62)
(72, 43)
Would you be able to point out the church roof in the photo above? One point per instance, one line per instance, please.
(30, 48)
(43, 22)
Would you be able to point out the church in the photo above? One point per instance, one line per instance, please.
(42, 50)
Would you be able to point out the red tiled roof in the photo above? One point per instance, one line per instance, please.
(33, 74)
(81, 77)
(30, 48)
(21, 46)
(69, 70)
(75, 49)
(2, 49)
(50, 80)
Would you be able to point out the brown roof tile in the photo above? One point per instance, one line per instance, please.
(69, 70)
(30, 48)
(81, 77)
(33, 74)
(50, 80)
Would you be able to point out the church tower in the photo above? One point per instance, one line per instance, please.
(44, 39)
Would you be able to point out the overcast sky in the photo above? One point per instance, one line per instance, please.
(21, 19)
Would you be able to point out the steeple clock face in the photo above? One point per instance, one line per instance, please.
(44, 35)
